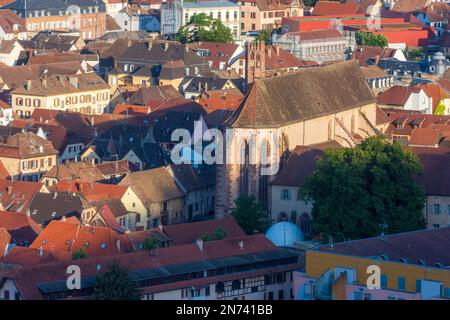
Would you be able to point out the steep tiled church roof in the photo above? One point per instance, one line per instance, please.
(303, 95)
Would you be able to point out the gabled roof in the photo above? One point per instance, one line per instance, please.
(218, 53)
(46, 207)
(17, 195)
(60, 236)
(25, 256)
(302, 95)
(153, 96)
(9, 20)
(153, 186)
(372, 72)
(84, 171)
(191, 179)
(437, 11)
(325, 8)
(92, 191)
(25, 145)
(396, 95)
(227, 99)
(22, 229)
(408, 6)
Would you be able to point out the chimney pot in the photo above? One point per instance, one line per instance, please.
(200, 244)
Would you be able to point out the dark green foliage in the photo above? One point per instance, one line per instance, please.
(201, 27)
(79, 254)
(150, 243)
(115, 284)
(218, 234)
(370, 39)
(249, 215)
(363, 191)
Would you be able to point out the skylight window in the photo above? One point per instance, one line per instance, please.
(103, 245)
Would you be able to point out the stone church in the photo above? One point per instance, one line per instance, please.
(306, 107)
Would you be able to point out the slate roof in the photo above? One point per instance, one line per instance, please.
(435, 179)
(191, 179)
(46, 207)
(271, 103)
(431, 246)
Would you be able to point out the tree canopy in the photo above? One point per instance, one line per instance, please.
(201, 27)
(365, 191)
(150, 243)
(249, 215)
(370, 39)
(218, 234)
(115, 284)
(79, 254)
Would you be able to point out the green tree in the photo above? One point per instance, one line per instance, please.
(150, 243)
(79, 254)
(115, 284)
(265, 35)
(201, 27)
(218, 234)
(366, 190)
(370, 39)
(249, 214)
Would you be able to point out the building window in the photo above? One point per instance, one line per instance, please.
(436, 208)
(285, 194)
(383, 281)
(401, 283)
(418, 285)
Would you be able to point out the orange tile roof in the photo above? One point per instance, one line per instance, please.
(228, 99)
(5, 239)
(26, 256)
(92, 191)
(17, 195)
(60, 236)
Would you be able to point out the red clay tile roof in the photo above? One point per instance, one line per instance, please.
(408, 6)
(325, 8)
(130, 109)
(25, 256)
(187, 233)
(17, 195)
(227, 99)
(92, 191)
(403, 122)
(4, 174)
(396, 95)
(5, 240)
(60, 236)
(434, 91)
(426, 137)
(21, 228)
(25, 145)
(277, 58)
(27, 278)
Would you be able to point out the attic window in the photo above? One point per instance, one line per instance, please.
(86, 244)
(54, 214)
(67, 242)
(34, 211)
(44, 241)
